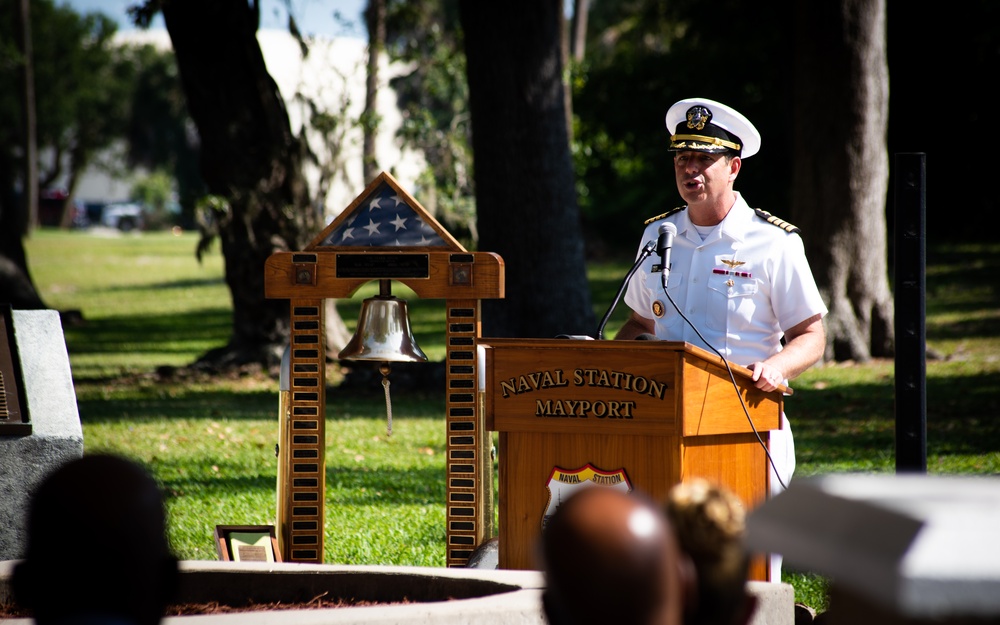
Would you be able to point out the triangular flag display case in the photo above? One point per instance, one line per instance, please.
(384, 234)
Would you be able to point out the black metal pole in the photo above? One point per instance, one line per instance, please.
(910, 297)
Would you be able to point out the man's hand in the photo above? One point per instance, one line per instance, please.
(766, 377)
(804, 345)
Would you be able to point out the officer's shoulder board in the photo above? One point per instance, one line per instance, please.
(776, 221)
(664, 215)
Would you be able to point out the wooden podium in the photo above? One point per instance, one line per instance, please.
(640, 415)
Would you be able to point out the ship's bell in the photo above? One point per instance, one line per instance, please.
(383, 332)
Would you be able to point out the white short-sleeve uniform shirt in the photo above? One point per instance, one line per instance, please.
(741, 287)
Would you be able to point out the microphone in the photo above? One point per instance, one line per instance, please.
(663, 244)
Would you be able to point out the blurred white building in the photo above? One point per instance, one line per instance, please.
(332, 77)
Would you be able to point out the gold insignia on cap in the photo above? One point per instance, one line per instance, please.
(698, 116)
(658, 308)
(699, 141)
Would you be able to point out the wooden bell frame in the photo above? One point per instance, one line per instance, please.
(444, 269)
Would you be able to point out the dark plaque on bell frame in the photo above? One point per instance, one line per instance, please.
(383, 266)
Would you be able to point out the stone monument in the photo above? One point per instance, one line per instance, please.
(39, 419)
(906, 549)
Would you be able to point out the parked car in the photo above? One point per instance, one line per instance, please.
(125, 216)
(52, 203)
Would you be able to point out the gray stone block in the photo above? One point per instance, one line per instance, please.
(898, 548)
(775, 603)
(56, 435)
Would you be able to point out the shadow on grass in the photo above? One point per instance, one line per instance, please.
(962, 279)
(209, 485)
(845, 424)
(358, 485)
(189, 404)
(166, 285)
(178, 402)
(985, 326)
(164, 334)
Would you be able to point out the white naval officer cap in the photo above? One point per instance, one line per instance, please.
(705, 125)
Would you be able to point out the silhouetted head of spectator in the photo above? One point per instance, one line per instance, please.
(96, 545)
(611, 557)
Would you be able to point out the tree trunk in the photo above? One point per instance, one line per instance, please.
(578, 35)
(841, 169)
(16, 286)
(376, 43)
(525, 194)
(27, 75)
(248, 156)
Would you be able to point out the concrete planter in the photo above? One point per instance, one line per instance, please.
(437, 596)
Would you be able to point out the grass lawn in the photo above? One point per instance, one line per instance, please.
(147, 303)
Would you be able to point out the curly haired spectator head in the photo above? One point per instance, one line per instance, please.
(710, 522)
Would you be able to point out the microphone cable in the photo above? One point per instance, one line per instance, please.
(736, 387)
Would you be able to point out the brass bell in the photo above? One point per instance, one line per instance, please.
(383, 332)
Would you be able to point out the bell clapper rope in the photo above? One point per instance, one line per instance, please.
(384, 370)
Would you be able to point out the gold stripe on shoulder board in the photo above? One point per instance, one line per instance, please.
(776, 221)
(664, 215)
